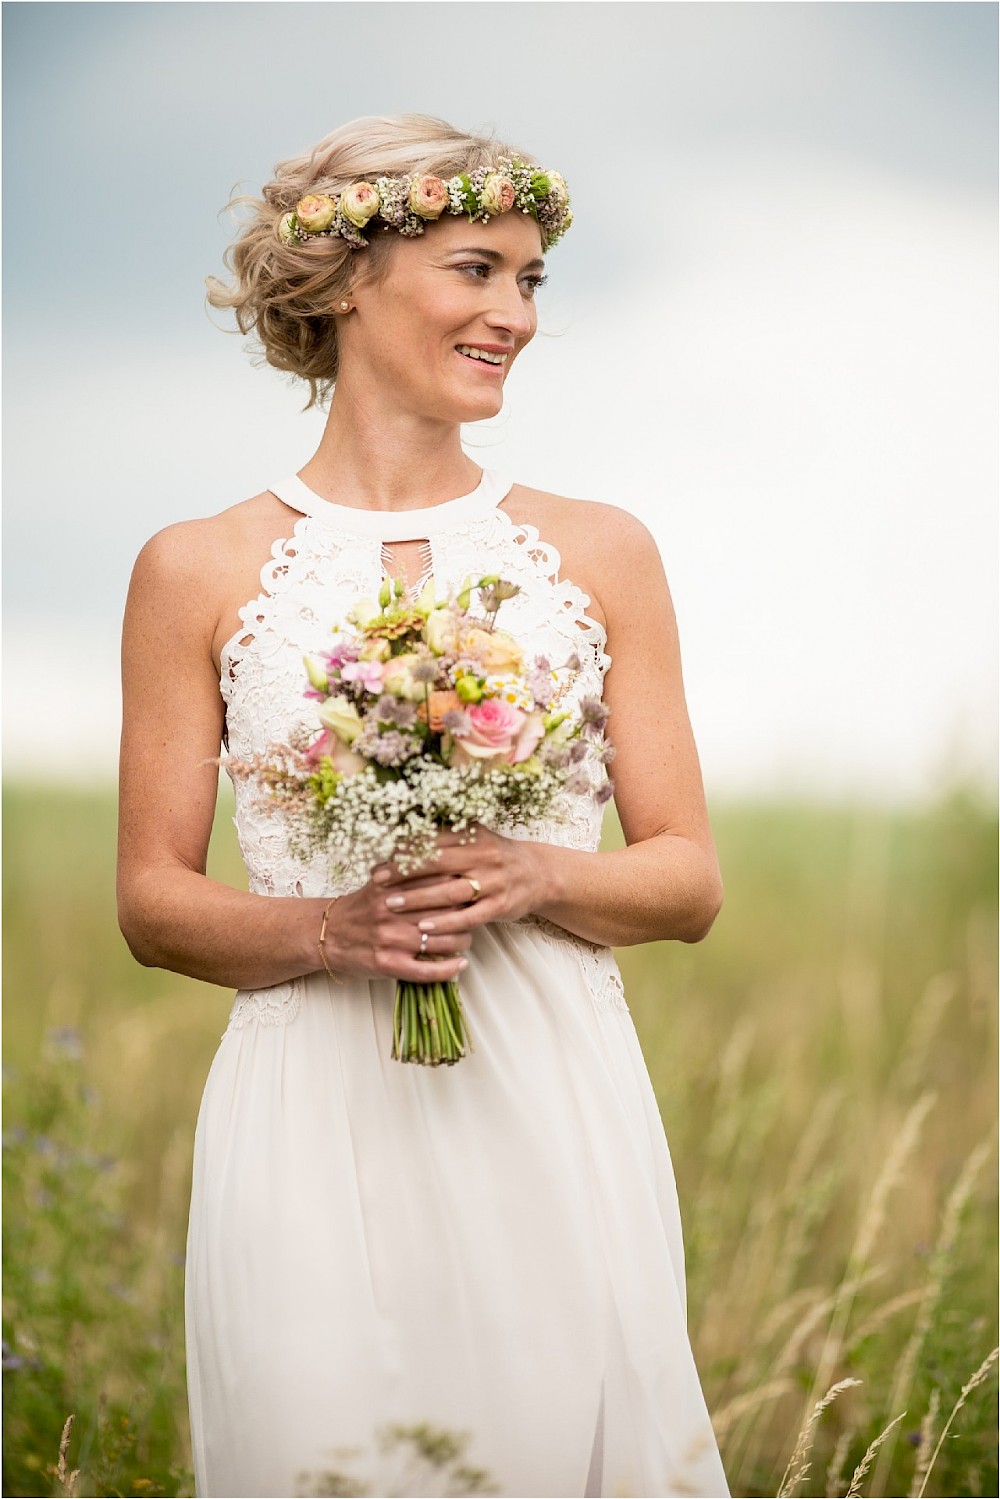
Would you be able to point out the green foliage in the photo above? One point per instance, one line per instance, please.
(92, 1305)
(825, 1067)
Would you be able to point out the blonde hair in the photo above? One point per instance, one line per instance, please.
(283, 294)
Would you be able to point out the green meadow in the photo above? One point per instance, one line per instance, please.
(825, 1064)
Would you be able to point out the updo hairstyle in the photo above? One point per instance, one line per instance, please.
(283, 294)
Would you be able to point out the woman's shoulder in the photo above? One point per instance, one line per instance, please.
(203, 544)
(592, 528)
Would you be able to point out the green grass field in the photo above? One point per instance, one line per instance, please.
(825, 1064)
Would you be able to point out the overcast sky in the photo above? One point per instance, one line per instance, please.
(782, 355)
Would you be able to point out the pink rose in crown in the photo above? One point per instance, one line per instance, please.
(493, 730)
(428, 197)
(359, 203)
(315, 212)
(498, 194)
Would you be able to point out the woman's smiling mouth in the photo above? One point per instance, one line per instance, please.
(496, 358)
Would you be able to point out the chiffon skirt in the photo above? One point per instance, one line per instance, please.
(492, 1249)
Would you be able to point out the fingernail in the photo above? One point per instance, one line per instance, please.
(395, 902)
(464, 964)
(425, 926)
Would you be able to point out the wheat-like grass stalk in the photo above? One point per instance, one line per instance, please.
(926, 1437)
(66, 1478)
(867, 1460)
(868, 1231)
(950, 1220)
(834, 1470)
(882, 1314)
(799, 1334)
(971, 1384)
(937, 995)
(750, 1400)
(798, 1464)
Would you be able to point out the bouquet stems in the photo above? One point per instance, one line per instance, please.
(428, 1024)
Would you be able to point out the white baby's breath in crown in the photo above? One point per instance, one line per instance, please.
(409, 203)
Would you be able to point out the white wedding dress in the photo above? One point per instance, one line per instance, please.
(492, 1248)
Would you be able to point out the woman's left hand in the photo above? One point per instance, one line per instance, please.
(478, 877)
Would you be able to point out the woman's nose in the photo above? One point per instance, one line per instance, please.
(512, 310)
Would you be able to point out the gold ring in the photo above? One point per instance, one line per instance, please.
(477, 889)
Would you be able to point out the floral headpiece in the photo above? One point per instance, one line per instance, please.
(407, 204)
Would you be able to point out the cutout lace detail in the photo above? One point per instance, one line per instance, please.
(311, 580)
(598, 965)
(278, 1005)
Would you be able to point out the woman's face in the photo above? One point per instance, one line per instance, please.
(456, 288)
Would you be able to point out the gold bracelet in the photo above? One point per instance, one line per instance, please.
(322, 941)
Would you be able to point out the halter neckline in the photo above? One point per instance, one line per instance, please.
(396, 525)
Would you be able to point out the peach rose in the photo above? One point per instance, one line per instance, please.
(428, 197)
(440, 704)
(397, 677)
(359, 203)
(498, 194)
(494, 650)
(315, 212)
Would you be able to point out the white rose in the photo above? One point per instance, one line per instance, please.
(340, 715)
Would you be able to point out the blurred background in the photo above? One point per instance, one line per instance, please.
(772, 335)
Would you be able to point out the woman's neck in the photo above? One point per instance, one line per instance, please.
(392, 460)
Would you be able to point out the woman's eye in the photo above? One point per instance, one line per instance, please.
(534, 282)
(476, 267)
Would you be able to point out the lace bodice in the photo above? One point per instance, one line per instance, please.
(336, 556)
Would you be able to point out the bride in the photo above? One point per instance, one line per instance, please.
(491, 1249)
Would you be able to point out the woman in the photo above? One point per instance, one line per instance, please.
(493, 1248)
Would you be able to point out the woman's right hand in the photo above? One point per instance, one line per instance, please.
(365, 937)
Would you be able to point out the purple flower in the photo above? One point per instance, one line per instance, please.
(594, 712)
(66, 1041)
(540, 681)
(457, 721)
(347, 651)
(390, 748)
(578, 751)
(604, 793)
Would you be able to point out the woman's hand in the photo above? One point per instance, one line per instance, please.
(478, 877)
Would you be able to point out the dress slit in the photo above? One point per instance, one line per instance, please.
(595, 1474)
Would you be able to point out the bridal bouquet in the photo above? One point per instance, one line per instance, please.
(431, 718)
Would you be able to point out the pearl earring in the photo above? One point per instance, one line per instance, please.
(344, 306)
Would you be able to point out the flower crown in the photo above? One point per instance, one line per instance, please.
(407, 204)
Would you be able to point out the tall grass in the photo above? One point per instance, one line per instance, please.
(825, 1067)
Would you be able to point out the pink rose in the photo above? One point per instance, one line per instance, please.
(428, 197)
(530, 736)
(494, 727)
(315, 212)
(359, 203)
(498, 194)
(345, 760)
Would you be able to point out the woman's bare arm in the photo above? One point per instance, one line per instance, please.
(666, 883)
(171, 914)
